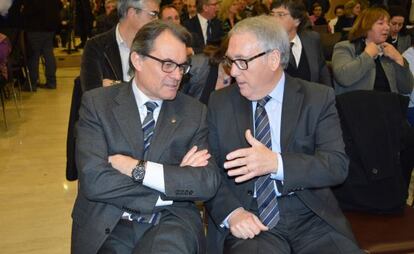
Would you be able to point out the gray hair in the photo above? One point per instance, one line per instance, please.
(124, 5)
(144, 40)
(270, 35)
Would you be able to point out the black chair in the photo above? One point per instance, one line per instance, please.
(71, 169)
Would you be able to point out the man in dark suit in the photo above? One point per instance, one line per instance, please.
(142, 158)
(205, 25)
(279, 156)
(105, 57)
(307, 61)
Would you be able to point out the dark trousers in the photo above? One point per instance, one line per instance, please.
(169, 236)
(41, 44)
(298, 231)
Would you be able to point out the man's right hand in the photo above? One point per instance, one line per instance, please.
(194, 158)
(109, 82)
(245, 225)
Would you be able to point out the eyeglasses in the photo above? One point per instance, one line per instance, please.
(169, 66)
(153, 14)
(242, 64)
(279, 14)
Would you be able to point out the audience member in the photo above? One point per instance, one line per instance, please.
(276, 168)
(318, 16)
(345, 22)
(205, 24)
(409, 56)
(66, 22)
(40, 25)
(398, 32)
(105, 57)
(229, 14)
(170, 13)
(191, 9)
(307, 60)
(83, 21)
(207, 73)
(253, 8)
(107, 20)
(5, 49)
(339, 11)
(366, 61)
(137, 187)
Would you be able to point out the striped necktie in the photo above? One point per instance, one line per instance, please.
(148, 125)
(265, 186)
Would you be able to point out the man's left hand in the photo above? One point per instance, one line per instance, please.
(123, 163)
(251, 162)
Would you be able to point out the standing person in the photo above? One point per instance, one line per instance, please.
(141, 156)
(285, 142)
(307, 60)
(41, 24)
(106, 56)
(345, 22)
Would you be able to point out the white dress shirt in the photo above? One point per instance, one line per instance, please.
(296, 49)
(203, 23)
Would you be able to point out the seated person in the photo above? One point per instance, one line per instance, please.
(366, 61)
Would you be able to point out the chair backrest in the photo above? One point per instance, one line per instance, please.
(328, 41)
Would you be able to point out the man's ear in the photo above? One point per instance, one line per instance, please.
(297, 22)
(136, 61)
(274, 60)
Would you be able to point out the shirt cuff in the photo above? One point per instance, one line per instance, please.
(225, 223)
(161, 202)
(154, 177)
(279, 175)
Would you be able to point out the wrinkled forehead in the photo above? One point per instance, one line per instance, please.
(242, 45)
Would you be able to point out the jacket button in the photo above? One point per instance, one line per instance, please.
(375, 171)
(250, 193)
(107, 231)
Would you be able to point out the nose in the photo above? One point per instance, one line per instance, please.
(177, 74)
(234, 71)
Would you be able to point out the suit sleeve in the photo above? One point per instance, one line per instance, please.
(405, 78)
(318, 160)
(91, 73)
(349, 69)
(98, 181)
(189, 183)
(324, 74)
(225, 201)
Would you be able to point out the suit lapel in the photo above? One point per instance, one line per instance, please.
(310, 55)
(292, 104)
(244, 120)
(127, 115)
(167, 123)
(199, 30)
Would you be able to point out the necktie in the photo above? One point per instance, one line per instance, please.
(265, 186)
(209, 32)
(292, 59)
(148, 125)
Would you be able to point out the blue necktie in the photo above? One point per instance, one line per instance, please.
(265, 186)
(209, 32)
(148, 125)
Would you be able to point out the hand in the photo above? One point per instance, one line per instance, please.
(109, 82)
(392, 52)
(256, 160)
(195, 158)
(372, 49)
(123, 163)
(244, 224)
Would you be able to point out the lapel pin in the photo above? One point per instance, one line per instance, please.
(173, 120)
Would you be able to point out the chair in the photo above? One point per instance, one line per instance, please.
(328, 42)
(71, 169)
(387, 234)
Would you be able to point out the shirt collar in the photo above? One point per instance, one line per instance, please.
(202, 19)
(277, 92)
(296, 40)
(118, 37)
(140, 97)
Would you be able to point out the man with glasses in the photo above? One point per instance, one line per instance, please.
(142, 156)
(279, 143)
(307, 60)
(105, 57)
(205, 25)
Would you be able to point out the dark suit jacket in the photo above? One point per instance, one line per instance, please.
(100, 60)
(311, 44)
(312, 151)
(193, 25)
(109, 124)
